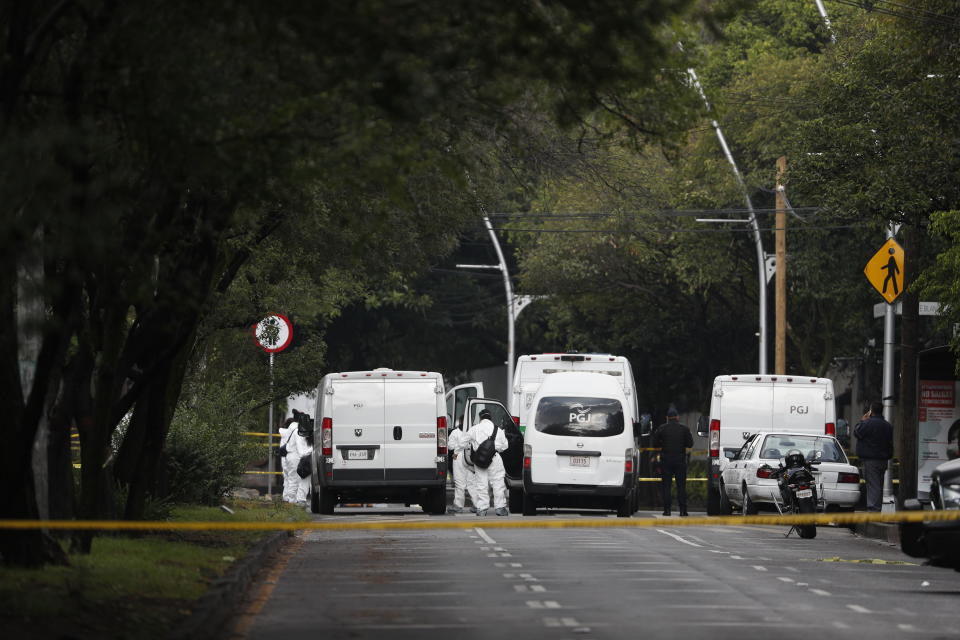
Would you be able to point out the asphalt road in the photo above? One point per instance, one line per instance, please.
(659, 582)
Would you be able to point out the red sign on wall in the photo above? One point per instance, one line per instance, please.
(937, 394)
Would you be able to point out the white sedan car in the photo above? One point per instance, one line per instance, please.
(746, 483)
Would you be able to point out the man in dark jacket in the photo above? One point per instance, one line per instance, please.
(673, 439)
(874, 448)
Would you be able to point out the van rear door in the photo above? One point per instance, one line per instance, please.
(410, 433)
(457, 401)
(746, 409)
(799, 408)
(358, 431)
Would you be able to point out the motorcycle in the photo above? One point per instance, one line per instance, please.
(798, 490)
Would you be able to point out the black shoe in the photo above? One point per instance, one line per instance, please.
(683, 512)
(666, 512)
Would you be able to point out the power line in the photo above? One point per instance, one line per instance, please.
(684, 230)
(588, 215)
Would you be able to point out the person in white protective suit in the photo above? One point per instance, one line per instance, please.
(464, 476)
(491, 478)
(287, 431)
(299, 446)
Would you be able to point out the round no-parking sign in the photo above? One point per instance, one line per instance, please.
(274, 333)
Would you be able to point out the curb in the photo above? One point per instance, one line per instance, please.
(213, 609)
(883, 531)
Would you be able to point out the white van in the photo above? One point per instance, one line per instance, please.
(578, 450)
(380, 436)
(532, 370)
(742, 405)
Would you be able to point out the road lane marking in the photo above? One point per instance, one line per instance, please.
(858, 608)
(906, 627)
(759, 567)
(483, 534)
(840, 625)
(679, 539)
(537, 587)
(784, 579)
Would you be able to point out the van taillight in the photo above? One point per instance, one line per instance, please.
(714, 438)
(516, 420)
(830, 429)
(441, 435)
(527, 454)
(326, 437)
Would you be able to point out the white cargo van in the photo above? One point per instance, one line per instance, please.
(578, 450)
(380, 435)
(742, 405)
(534, 369)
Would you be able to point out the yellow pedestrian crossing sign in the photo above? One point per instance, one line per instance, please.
(885, 270)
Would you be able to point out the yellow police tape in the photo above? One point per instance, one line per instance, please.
(488, 523)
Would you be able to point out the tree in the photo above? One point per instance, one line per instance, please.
(156, 153)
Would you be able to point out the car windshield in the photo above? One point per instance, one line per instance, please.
(579, 416)
(812, 447)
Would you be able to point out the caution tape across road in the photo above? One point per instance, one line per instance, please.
(344, 524)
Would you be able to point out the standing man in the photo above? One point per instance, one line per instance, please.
(673, 439)
(463, 475)
(490, 478)
(875, 448)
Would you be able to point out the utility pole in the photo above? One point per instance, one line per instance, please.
(780, 358)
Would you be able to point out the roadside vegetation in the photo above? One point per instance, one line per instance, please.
(135, 586)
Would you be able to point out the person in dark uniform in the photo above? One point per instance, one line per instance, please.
(875, 448)
(673, 439)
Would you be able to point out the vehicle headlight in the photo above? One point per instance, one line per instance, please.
(950, 495)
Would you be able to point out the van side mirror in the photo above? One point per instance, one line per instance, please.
(703, 426)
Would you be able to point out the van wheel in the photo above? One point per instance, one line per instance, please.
(315, 501)
(623, 511)
(725, 507)
(436, 501)
(325, 500)
(635, 505)
(515, 500)
(713, 501)
(749, 508)
(529, 506)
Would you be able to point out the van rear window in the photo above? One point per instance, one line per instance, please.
(579, 416)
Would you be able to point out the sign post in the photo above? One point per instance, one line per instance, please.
(885, 272)
(272, 334)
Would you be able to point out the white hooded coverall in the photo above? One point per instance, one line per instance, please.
(298, 448)
(490, 478)
(464, 477)
(289, 486)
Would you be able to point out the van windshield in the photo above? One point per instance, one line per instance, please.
(578, 416)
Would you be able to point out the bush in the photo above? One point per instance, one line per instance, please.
(206, 451)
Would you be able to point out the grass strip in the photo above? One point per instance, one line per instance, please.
(134, 586)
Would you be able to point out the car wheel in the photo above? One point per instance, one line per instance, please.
(515, 500)
(725, 507)
(529, 506)
(749, 508)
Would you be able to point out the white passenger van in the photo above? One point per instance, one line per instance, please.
(380, 436)
(578, 450)
(532, 370)
(744, 404)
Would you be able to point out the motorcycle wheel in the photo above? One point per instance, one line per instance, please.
(807, 531)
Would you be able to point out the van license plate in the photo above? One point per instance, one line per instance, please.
(579, 461)
(356, 454)
(805, 493)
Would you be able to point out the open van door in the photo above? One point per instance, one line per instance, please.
(513, 456)
(457, 401)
